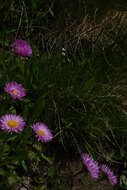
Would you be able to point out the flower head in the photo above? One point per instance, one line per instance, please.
(91, 165)
(42, 132)
(11, 123)
(22, 48)
(110, 175)
(15, 90)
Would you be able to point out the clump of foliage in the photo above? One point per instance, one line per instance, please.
(81, 96)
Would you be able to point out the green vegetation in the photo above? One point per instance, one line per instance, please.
(79, 92)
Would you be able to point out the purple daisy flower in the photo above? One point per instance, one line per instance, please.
(91, 165)
(110, 175)
(15, 90)
(21, 47)
(11, 123)
(42, 132)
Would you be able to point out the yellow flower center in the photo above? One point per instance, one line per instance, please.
(12, 123)
(14, 92)
(40, 132)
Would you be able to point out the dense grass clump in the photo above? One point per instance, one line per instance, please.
(73, 82)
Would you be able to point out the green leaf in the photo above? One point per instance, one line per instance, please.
(123, 181)
(32, 155)
(46, 158)
(51, 172)
(38, 147)
(12, 179)
(3, 172)
(88, 85)
(24, 165)
(51, 12)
